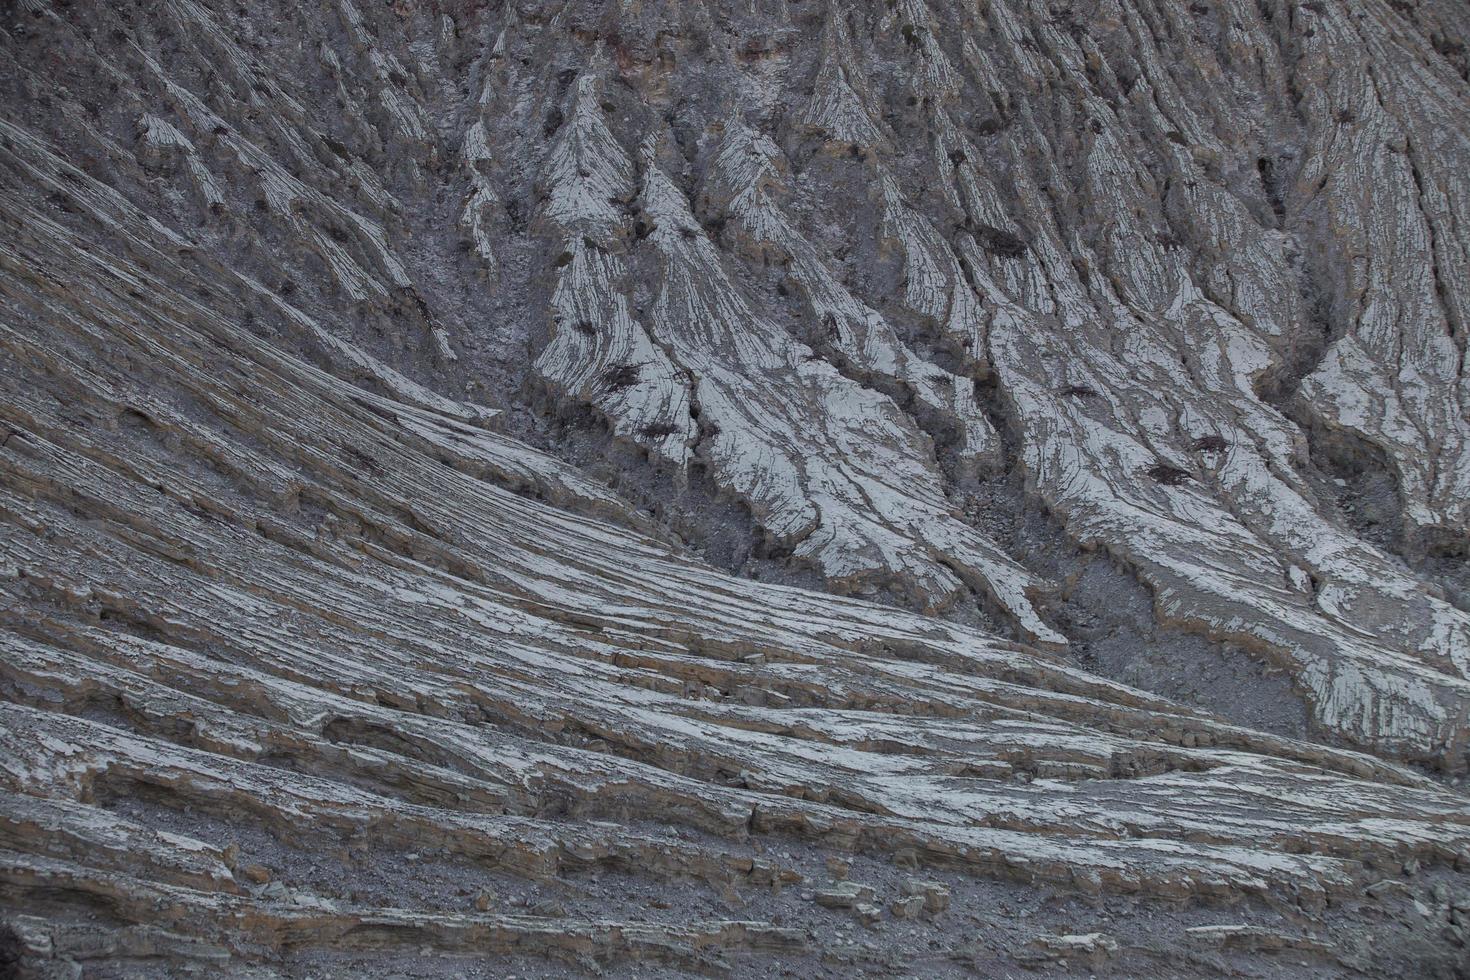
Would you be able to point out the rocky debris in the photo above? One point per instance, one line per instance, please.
(299, 924)
(286, 612)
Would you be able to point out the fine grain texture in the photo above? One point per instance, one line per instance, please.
(921, 488)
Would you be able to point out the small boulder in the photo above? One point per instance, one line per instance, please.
(843, 895)
(1093, 948)
(935, 895)
(907, 908)
(256, 874)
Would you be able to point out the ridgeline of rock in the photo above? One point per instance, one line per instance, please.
(933, 487)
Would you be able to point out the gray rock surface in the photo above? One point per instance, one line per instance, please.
(922, 488)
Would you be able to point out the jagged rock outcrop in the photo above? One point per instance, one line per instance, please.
(325, 645)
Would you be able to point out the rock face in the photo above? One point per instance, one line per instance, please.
(532, 488)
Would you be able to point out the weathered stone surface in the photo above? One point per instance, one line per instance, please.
(326, 647)
(935, 895)
(843, 895)
(1093, 948)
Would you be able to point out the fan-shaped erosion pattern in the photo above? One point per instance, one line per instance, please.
(930, 488)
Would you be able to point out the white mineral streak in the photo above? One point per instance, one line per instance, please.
(836, 110)
(493, 590)
(263, 574)
(1114, 376)
(599, 353)
(934, 284)
(482, 200)
(1398, 376)
(830, 469)
(745, 184)
(164, 145)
